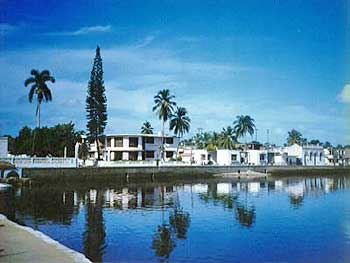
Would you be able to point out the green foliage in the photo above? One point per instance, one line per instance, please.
(84, 151)
(147, 128)
(48, 141)
(180, 122)
(164, 105)
(96, 101)
(243, 125)
(39, 88)
(295, 137)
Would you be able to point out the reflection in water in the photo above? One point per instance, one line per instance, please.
(94, 235)
(245, 215)
(180, 222)
(163, 243)
(237, 203)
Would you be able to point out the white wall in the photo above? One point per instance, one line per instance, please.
(224, 157)
(3, 147)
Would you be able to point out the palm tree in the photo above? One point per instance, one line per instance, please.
(147, 128)
(228, 138)
(164, 106)
(180, 123)
(243, 125)
(294, 137)
(39, 87)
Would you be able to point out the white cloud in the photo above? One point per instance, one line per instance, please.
(345, 94)
(148, 40)
(85, 30)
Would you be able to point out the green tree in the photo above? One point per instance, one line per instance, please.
(327, 145)
(96, 103)
(164, 107)
(39, 88)
(243, 125)
(228, 138)
(316, 142)
(147, 128)
(180, 122)
(294, 137)
(84, 151)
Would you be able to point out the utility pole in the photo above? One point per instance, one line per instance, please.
(268, 136)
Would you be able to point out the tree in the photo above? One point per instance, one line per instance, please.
(294, 137)
(228, 138)
(84, 151)
(147, 128)
(164, 106)
(96, 103)
(180, 122)
(243, 125)
(315, 142)
(327, 145)
(39, 88)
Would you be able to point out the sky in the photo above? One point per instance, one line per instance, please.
(284, 63)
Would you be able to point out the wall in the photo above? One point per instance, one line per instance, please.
(3, 147)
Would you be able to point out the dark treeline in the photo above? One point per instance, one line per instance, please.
(47, 141)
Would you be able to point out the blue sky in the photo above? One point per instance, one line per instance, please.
(282, 62)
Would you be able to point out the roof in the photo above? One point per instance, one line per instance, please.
(140, 135)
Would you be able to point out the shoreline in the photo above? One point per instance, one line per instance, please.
(24, 244)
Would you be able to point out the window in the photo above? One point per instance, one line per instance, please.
(133, 156)
(169, 154)
(118, 142)
(109, 142)
(133, 141)
(233, 157)
(149, 154)
(169, 140)
(310, 156)
(149, 140)
(320, 156)
(118, 156)
(202, 157)
(262, 157)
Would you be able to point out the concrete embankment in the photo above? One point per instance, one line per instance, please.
(23, 244)
(165, 173)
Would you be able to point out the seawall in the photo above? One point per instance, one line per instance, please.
(124, 174)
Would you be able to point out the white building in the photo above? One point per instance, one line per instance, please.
(307, 155)
(136, 147)
(228, 157)
(3, 147)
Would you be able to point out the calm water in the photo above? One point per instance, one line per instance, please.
(289, 220)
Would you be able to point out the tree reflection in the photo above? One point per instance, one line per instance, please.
(296, 200)
(163, 243)
(180, 221)
(95, 234)
(245, 215)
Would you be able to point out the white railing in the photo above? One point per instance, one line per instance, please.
(42, 162)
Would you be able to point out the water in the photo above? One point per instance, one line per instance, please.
(289, 220)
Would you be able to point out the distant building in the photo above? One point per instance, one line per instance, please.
(136, 147)
(3, 147)
(228, 157)
(307, 155)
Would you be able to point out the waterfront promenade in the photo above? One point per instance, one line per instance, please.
(23, 244)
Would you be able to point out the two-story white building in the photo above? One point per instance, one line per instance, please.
(307, 155)
(136, 147)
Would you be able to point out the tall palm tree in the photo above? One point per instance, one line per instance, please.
(228, 138)
(147, 128)
(180, 123)
(39, 88)
(164, 106)
(243, 125)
